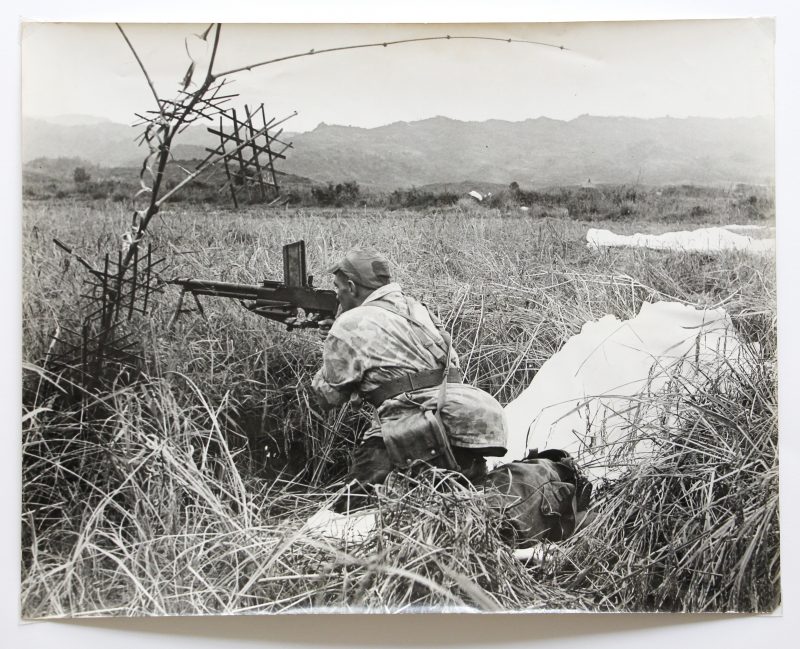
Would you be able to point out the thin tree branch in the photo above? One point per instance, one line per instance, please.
(198, 94)
(80, 259)
(209, 76)
(144, 71)
(384, 44)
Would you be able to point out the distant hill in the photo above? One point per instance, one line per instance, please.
(100, 142)
(542, 151)
(442, 151)
(77, 120)
(62, 169)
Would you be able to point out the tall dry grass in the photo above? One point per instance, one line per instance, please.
(695, 527)
(187, 492)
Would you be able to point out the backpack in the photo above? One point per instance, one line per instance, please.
(538, 498)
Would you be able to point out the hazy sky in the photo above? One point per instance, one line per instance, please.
(719, 68)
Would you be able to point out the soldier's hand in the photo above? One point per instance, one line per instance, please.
(325, 327)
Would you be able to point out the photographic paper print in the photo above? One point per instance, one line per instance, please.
(398, 318)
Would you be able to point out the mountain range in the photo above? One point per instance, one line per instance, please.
(533, 152)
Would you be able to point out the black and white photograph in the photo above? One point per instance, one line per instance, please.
(399, 318)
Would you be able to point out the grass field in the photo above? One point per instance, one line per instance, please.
(186, 491)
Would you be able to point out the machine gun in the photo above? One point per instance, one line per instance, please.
(293, 302)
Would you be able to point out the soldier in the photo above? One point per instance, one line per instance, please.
(386, 348)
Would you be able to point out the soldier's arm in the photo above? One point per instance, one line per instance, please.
(340, 374)
(328, 396)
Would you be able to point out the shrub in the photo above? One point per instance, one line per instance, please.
(338, 195)
(81, 176)
(699, 210)
(417, 198)
(627, 208)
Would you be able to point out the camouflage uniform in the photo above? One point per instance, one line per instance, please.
(369, 346)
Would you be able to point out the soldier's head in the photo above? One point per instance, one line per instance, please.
(357, 275)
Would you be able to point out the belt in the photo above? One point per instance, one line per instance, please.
(411, 382)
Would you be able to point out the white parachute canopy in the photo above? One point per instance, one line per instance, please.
(354, 527)
(702, 240)
(584, 398)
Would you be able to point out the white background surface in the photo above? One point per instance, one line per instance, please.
(584, 631)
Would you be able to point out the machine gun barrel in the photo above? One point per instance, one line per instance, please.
(217, 289)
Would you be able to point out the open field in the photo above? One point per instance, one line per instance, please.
(186, 491)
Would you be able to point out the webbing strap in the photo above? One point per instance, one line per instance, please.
(410, 382)
(391, 309)
(449, 458)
